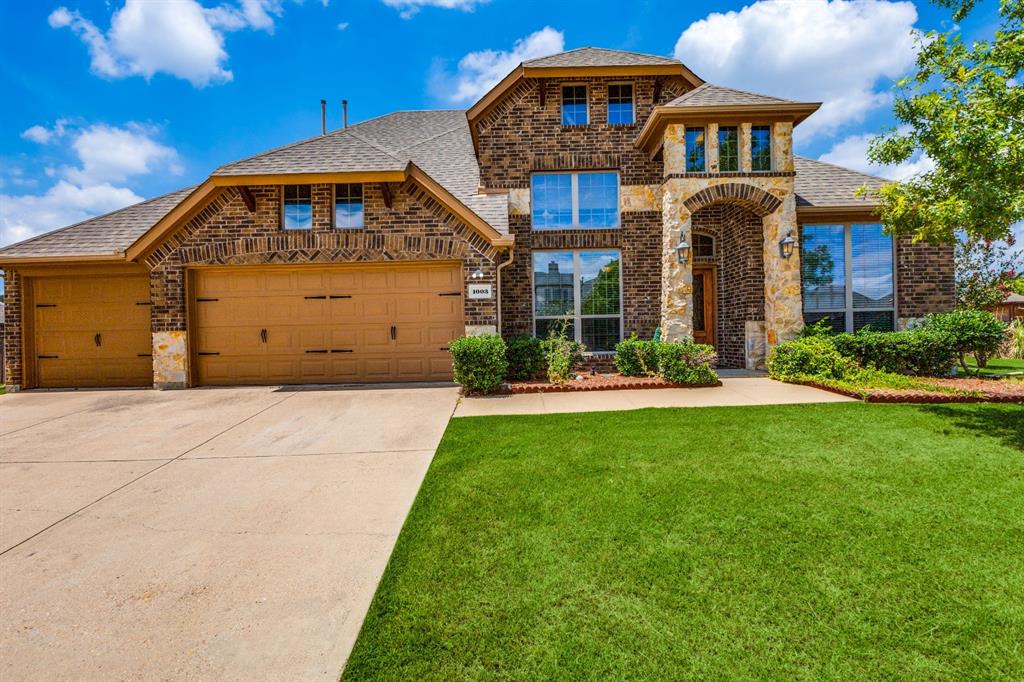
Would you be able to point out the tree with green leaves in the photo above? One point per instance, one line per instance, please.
(964, 108)
(985, 273)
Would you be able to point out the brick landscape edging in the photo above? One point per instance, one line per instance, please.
(886, 396)
(582, 387)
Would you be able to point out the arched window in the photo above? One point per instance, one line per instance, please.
(703, 246)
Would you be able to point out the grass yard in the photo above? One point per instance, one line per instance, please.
(838, 541)
(998, 367)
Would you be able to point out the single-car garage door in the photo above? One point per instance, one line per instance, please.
(326, 324)
(92, 331)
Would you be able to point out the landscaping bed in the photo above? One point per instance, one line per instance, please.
(595, 382)
(932, 390)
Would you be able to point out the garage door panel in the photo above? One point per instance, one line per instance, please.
(330, 324)
(98, 327)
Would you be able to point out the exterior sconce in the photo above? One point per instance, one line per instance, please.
(683, 251)
(786, 245)
(479, 274)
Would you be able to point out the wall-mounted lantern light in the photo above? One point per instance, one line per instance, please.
(786, 245)
(479, 274)
(683, 251)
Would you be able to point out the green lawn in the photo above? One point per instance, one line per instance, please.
(838, 541)
(998, 366)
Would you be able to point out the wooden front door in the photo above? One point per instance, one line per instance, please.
(704, 305)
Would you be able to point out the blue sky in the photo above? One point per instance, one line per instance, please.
(109, 102)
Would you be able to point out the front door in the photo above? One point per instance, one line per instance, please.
(704, 305)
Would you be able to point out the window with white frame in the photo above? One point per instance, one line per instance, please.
(574, 105)
(348, 206)
(620, 104)
(848, 277)
(581, 289)
(574, 200)
(297, 207)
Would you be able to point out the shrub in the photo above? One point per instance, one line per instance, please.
(562, 354)
(819, 328)
(636, 357)
(916, 351)
(969, 332)
(685, 362)
(813, 356)
(525, 358)
(479, 362)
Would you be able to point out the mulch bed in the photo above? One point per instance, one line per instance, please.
(982, 391)
(595, 382)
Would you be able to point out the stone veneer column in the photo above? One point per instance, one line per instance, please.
(676, 278)
(712, 147)
(782, 146)
(783, 305)
(745, 159)
(170, 359)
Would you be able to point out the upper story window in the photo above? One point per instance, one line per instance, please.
(847, 276)
(620, 104)
(575, 200)
(760, 148)
(297, 212)
(574, 105)
(728, 149)
(695, 150)
(348, 206)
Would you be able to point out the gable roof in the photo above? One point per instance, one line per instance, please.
(710, 94)
(825, 185)
(105, 236)
(599, 56)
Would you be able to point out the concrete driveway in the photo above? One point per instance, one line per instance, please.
(204, 534)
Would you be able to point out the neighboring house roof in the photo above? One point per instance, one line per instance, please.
(1014, 298)
(103, 235)
(820, 184)
(710, 95)
(598, 57)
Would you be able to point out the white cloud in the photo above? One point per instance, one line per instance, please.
(107, 157)
(110, 154)
(177, 37)
(342, 25)
(43, 135)
(852, 152)
(409, 8)
(26, 215)
(480, 71)
(811, 50)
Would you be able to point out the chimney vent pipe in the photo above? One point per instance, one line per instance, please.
(344, 113)
(323, 117)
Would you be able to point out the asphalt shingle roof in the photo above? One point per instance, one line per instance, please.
(103, 235)
(598, 56)
(708, 94)
(824, 184)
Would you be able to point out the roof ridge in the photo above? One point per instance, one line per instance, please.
(429, 139)
(378, 147)
(97, 217)
(844, 168)
(750, 92)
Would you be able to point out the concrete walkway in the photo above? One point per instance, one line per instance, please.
(209, 534)
(733, 391)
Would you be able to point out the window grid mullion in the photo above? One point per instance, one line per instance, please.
(575, 191)
(577, 292)
(848, 258)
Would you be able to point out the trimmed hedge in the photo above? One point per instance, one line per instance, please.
(809, 356)
(969, 332)
(525, 357)
(686, 362)
(918, 351)
(479, 362)
(636, 357)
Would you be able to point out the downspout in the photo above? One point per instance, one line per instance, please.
(511, 257)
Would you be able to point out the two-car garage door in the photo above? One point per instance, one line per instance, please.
(325, 324)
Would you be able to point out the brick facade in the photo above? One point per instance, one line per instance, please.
(739, 262)
(12, 328)
(924, 279)
(415, 228)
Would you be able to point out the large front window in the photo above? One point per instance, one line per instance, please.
(581, 289)
(847, 273)
(582, 200)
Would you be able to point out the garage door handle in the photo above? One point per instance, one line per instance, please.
(98, 340)
(46, 305)
(341, 296)
(263, 335)
(318, 298)
(319, 350)
(49, 357)
(145, 355)
(207, 353)
(342, 350)
(451, 293)
(394, 333)
(143, 303)
(444, 349)
(206, 300)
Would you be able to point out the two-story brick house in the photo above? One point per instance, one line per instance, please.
(615, 191)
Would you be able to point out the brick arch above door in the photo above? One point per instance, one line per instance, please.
(753, 198)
